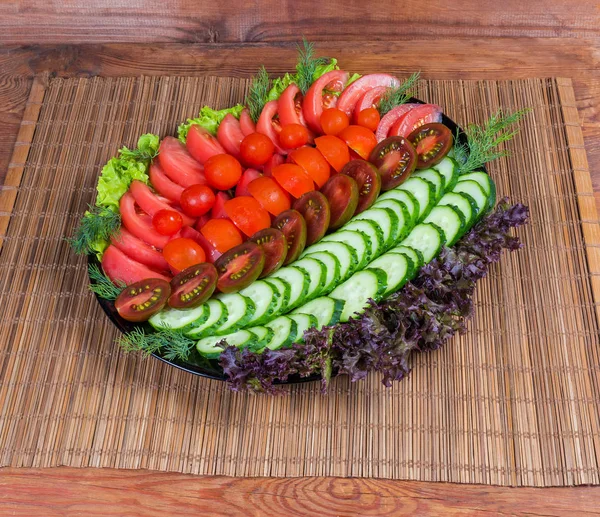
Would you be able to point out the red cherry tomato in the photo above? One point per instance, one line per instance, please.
(321, 96)
(211, 252)
(334, 150)
(222, 234)
(182, 253)
(334, 121)
(150, 203)
(249, 175)
(269, 195)
(201, 145)
(167, 222)
(293, 179)
(256, 149)
(293, 136)
(197, 200)
(247, 214)
(218, 210)
(353, 93)
(369, 118)
(230, 135)
(313, 162)
(359, 139)
(222, 171)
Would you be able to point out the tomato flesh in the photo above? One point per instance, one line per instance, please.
(121, 268)
(368, 180)
(421, 114)
(289, 106)
(151, 203)
(370, 99)
(222, 171)
(230, 135)
(202, 145)
(342, 193)
(317, 97)
(354, 92)
(139, 301)
(274, 246)
(239, 267)
(182, 253)
(163, 185)
(247, 214)
(139, 225)
(431, 142)
(315, 209)
(218, 209)
(360, 139)
(293, 179)
(178, 164)
(388, 120)
(193, 286)
(246, 123)
(222, 234)
(395, 159)
(293, 226)
(139, 250)
(268, 124)
(269, 195)
(313, 163)
(271, 163)
(334, 150)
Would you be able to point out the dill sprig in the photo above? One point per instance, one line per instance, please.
(307, 65)
(103, 286)
(398, 95)
(172, 344)
(257, 95)
(483, 141)
(96, 225)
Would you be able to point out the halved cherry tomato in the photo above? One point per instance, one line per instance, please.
(369, 118)
(274, 161)
(239, 267)
(163, 185)
(334, 121)
(315, 209)
(193, 286)
(395, 159)
(268, 124)
(359, 139)
(293, 136)
(212, 253)
(202, 145)
(138, 250)
(178, 164)
(167, 222)
(197, 200)
(342, 193)
(218, 209)
(293, 226)
(222, 234)
(370, 99)
(140, 226)
(289, 106)
(137, 302)
(230, 135)
(334, 150)
(222, 171)
(321, 96)
(293, 179)
(247, 214)
(256, 149)
(388, 120)
(150, 203)
(416, 117)
(274, 245)
(368, 180)
(121, 268)
(182, 253)
(269, 195)
(246, 123)
(249, 175)
(352, 94)
(431, 142)
(313, 163)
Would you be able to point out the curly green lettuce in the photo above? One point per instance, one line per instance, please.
(209, 119)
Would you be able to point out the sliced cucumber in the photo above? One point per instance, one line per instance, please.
(265, 298)
(208, 346)
(426, 238)
(414, 255)
(372, 235)
(298, 281)
(217, 314)
(434, 177)
(385, 220)
(449, 220)
(284, 332)
(284, 290)
(356, 240)
(404, 196)
(316, 275)
(473, 189)
(397, 268)
(485, 182)
(263, 335)
(343, 253)
(358, 289)
(448, 168)
(325, 309)
(424, 192)
(303, 322)
(240, 311)
(332, 268)
(180, 319)
(463, 203)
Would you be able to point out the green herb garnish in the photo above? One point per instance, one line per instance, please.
(399, 95)
(147, 149)
(172, 344)
(257, 95)
(104, 287)
(95, 229)
(307, 65)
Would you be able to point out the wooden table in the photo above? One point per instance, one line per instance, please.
(474, 40)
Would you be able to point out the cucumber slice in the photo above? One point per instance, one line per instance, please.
(263, 335)
(284, 332)
(217, 314)
(283, 289)
(357, 241)
(397, 268)
(448, 168)
(240, 311)
(372, 234)
(325, 309)
(358, 289)
(316, 274)
(404, 217)
(265, 298)
(180, 319)
(208, 346)
(424, 192)
(463, 203)
(485, 182)
(343, 253)
(303, 322)
(404, 196)
(449, 220)
(332, 268)
(426, 238)
(298, 281)
(434, 177)
(386, 220)
(473, 189)
(414, 255)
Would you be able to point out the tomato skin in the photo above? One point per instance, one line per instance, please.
(163, 185)
(197, 200)
(274, 245)
(239, 267)
(230, 135)
(289, 106)
(293, 179)
(193, 286)
(431, 142)
(293, 226)
(268, 124)
(222, 234)
(247, 214)
(369, 118)
(211, 252)
(218, 209)
(248, 176)
(139, 301)
(359, 139)
(167, 222)
(396, 159)
(415, 118)
(202, 145)
(222, 171)
(274, 161)
(269, 195)
(138, 250)
(139, 226)
(368, 180)
(313, 163)
(246, 123)
(256, 149)
(353, 93)
(315, 209)
(293, 136)
(342, 193)
(178, 164)
(201, 221)
(150, 203)
(121, 268)
(313, 103)
(334, 150)
(370, 99)
(388, 120)
(182, 253)
(334, 121)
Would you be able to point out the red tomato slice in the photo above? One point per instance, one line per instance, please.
(370, 99)
(230, 135)
(314, 102)
(293, 179)
(140, 225)
(218, 210)
(268, 124)
(388, 120)
(202, 220)
(421, 114)
(178, 164)
(212, 253)
(163, 185)
(151, 203)
(290, 106)
(352, 94)
(334, 150)
(222, 234)
(247, 214)
(359, 139)
(138, 250)
(120, 267)
(202, 145)
(246, 123)
(274, 161)
(248, 176)
(313, 162)
(270, 195)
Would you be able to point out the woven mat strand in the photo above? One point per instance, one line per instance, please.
(513, 402)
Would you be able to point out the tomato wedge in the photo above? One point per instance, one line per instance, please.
(388, 120)
(211, 252)
(163, 185)
(139, 301)
(313, 163)
(246, 123)
(248, 176)
(353, 93)
(342, 193)
(151, 203)
(178, 164)
(121, 268)
(230, 135)
(269, 195)
(293, 226)
(247, 214)
(368, 180)
(193, 286)
(201, 144)
(239, 267)
(290, 106)
(334, 150)
(315, 209)
(396, 159)
(370, 99)
(222, 234)
(360, 139)
(431, 142)
(319, 97)
(140, 226)
(422, 114)
(138, 250)
(218, 209)
(293, 179)
(268, 124)
(274, 245)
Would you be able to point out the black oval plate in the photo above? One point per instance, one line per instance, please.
(197, 364)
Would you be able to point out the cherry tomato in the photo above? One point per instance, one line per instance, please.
(269, 195)
(315, 209)
(342, 193)
(293, 179)
(334, 150)
(359, 139)
(256, 149)
(353, 93)
(151, 203)
(370, 99)
(178, 164)
(182, 253)
(431, 142)
(320, 96)
(222, 171)
(268, 124)
(138, 250)
(218, 210)
(239, 267)
(368, 180)
(333, 121)
(163, 184)
(396, 159)
(197, 200)
(167, 222)
(247, 214)
(193, 286)
(222, 234)
(421, 114)
(211, 252)
(201, 145)
(293, 136)
(274, 245)
(246, 123)
(140, 225)
(121, 268)
(313, 163)
(137, 302)
(388, 120)
(293, 226)
(369, 118)
(230, 135)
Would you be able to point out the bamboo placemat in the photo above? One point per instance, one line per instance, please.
(513, 402)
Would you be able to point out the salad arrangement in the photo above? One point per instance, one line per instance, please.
(329, 225)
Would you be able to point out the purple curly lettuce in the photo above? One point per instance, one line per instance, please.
(420, 317)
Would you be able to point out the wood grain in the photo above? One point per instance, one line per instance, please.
(105, 492)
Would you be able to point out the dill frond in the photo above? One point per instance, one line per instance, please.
(257, 95)
(173, 344)
(103, 286)
(97, 225)
(399, 95)
(307, 65)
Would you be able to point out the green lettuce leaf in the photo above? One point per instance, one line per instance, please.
(209, 119)
(280, 84)
(115, 179)
(323, 68)
(352, 78)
